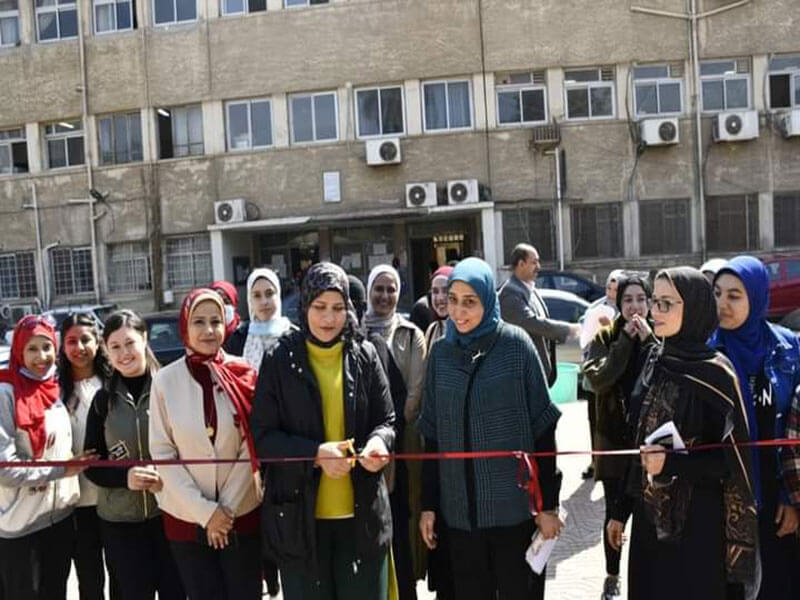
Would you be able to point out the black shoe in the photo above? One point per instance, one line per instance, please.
(611, 589)
(273, 588)
(588, 473)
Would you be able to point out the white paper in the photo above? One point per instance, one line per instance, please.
(379, 248)
(668, 429)
(379, 259)
(355, 260)
(331, 188)
(591, 322)
(278, 265)
(539, 551)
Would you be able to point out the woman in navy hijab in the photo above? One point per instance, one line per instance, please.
(767, 362)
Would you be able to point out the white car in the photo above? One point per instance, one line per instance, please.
(569, 307)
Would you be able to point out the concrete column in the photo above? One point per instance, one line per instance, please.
(213, 9)
(220, 257)
(85, 13)
(148, 135)
(567, 223)
(696, 232)
(345, 108)
(621, 90)
(489, 238)
(766, 221)
(499, 238)
(27, 22)
(33, 140)
(92, 140)
(144, 10)
(280, 120)
(213, 127)
(630, 229)
(760, 67)
(413, 107)
(274, 5)
(477, 100)
(555, 93)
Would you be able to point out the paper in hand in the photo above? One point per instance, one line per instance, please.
(666, 435)
(539, 551)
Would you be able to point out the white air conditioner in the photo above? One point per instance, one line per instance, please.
(659, 132)
(790, 123)
(230, 211)
(735, 126)
(462, 191)
(383, 152)
(419, 195)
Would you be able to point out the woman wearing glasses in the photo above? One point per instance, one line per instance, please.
(767, 361)
(694, 520)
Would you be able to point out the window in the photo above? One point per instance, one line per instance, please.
(597, 230)
(732, 223)
(180, 131)
(249, 124)
(380, 111)
(314, 117)
(174, 11)
(529, 226)
(120, 138)
(17, 276)
(447, 105)
(64, 142)
(9, 23)
(72, 271)
(725, 83)
(188, 261)
(293, 3)
(665, 226)
(240, 7)
(521, 99)
(590, 93)
(114, 15)
(56, 20)
(784, 82)
(658, 89)
(129, 267)
(13, 151)
(786, 208)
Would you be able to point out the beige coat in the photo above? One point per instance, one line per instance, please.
(178, 430)
(407, 344)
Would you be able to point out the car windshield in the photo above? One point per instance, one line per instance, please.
(164, 335)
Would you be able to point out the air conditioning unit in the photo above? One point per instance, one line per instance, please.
(735, 126)
(419, 195)
(230, 211)
(790, 123)
(462, 191)
(383, 152)
(659, 132)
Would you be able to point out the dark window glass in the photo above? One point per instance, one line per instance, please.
(368, 117)
(578, 103)
(787, 219)
(597, 230)
(530, 226)
(664, 227)
(533, 105)
(732, 223)
(780, 95)
(392, 110)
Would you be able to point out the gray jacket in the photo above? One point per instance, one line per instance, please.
(524, 307)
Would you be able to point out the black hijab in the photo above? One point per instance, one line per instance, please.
(699, 315)
(320, 278)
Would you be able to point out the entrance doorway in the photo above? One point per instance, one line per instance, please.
(431, 252)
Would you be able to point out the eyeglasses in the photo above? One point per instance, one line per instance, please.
(664, 306)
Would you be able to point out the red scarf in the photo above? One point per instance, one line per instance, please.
(236, 378)
(230, 291)
(32, 397)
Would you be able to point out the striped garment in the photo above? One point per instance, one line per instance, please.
(508, 408)
(791, 455)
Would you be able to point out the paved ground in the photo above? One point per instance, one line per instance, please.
(576, 570)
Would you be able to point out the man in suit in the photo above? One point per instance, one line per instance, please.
(522, 305)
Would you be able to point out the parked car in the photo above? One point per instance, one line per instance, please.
(784, 285)
(565, 306)
(99, 311)
(570, 282)
(5, 355)
(163, 336)
(792, 321)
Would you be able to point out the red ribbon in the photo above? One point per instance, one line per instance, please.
(528, 480)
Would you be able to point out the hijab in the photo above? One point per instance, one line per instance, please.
(261, 335)
(699, 314)
(358, 295)
(636, 363)
(373, 322)
(32, 395)
(320, 278)
(442, 272)
(479, 276)
(236, 378)
(232, 318)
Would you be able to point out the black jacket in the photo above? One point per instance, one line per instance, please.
(235, 343)
(287, 421)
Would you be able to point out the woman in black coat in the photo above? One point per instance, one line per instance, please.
(322, 395)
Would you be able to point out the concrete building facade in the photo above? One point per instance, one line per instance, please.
(167, 108)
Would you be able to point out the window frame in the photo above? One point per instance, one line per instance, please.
(175, 12)
(64, 136)
(779, 225)
(249, 103)
(306, 4)
(193, 254)
(16, 255)
(113, 117)
(54, 274)
(522, 218)
(618, 234)
(379, 89)
(724, 78)
(55, 9)
(794, 81)
(520, 88)
(657, 81)
(588, 86)
(313, 95)
(132, 258)
(131, 10)
(447, 83)
(11, 14)
(246, 9)
(667, 204)
(10, 142)
(171, 110)
(749, 213)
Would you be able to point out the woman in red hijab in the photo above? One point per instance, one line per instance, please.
(200, 408)
(35, 502)
(230, 300)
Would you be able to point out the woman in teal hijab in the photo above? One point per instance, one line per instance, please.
(484, 391)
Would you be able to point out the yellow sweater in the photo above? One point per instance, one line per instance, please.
(335, 498)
